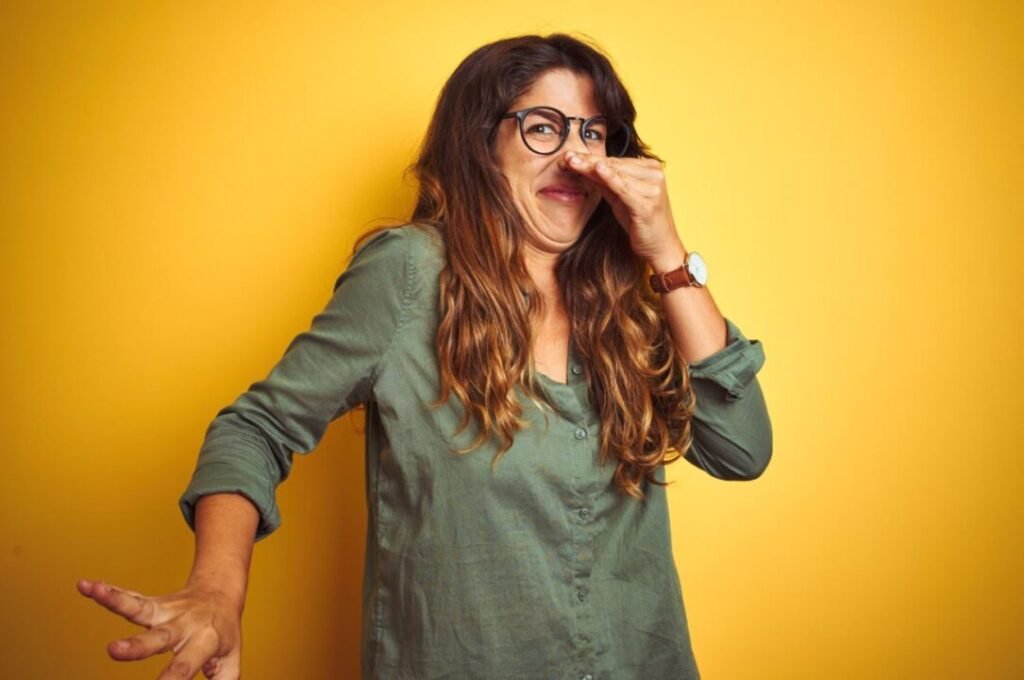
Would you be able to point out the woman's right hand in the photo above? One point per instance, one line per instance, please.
(200, 625)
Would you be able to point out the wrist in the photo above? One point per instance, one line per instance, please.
(229, 590)
(668, 258)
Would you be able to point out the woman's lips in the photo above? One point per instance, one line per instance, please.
(564, 194)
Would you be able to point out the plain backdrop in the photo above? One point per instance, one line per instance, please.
(181, 184)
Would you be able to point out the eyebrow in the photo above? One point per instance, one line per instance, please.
(552, 106)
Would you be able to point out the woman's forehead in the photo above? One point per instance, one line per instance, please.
(570, 92)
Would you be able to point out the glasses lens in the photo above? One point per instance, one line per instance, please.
(596, 135)
(606, 136)
(616, 136)
(543, 130)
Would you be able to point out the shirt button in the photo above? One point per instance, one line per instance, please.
(584, 513)
(582, 594)
(581, 433)
(577, 369)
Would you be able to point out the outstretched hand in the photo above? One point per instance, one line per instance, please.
(200, 626)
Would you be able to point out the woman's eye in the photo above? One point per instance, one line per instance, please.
(542, 129)
(596, 135)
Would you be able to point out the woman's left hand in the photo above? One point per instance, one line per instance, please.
(635, 190)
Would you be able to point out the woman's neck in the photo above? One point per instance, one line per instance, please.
(542, 268)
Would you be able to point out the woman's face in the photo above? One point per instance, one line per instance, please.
(554, 201)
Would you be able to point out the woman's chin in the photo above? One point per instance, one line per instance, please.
(553, 237)
(565, 232)
(555, 230)
(567, 221)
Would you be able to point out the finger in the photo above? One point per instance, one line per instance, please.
(600, 172)
(190, 658)
(633, 167)
(133, 606)
(643, 176)
(212, 667)
(607, 193)
(623, 187)
(86, 586)
(148, 643)
(634, 188)
(226, 667)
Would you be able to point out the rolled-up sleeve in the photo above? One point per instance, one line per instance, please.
(325, 371)
(732, 432)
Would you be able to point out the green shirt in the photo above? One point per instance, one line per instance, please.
(538, 568)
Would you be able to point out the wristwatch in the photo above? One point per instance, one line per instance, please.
(694, 272)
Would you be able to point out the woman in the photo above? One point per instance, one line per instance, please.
(525, 383)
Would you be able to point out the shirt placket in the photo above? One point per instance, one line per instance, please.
(583, 452)
(579, 431)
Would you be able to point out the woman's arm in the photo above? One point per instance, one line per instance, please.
(225, 526)
(200, 624)
(732, 432)
(697, 327)
(732, 435)
(325, 371)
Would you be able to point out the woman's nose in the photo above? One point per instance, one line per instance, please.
(575, 141)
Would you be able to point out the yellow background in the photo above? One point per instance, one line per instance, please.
(181, 183)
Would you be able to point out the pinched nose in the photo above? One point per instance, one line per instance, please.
(563, 163)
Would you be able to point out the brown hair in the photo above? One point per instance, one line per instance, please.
(488, 303)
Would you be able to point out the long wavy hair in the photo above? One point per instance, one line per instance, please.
(489, 306)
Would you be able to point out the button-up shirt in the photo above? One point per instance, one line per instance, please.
(535, 567)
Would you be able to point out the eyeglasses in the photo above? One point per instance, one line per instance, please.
(544, 130)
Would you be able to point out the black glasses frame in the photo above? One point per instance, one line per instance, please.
(585, 123)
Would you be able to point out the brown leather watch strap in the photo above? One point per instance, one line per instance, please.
(667, 281)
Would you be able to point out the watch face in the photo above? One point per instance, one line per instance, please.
(697, 268)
